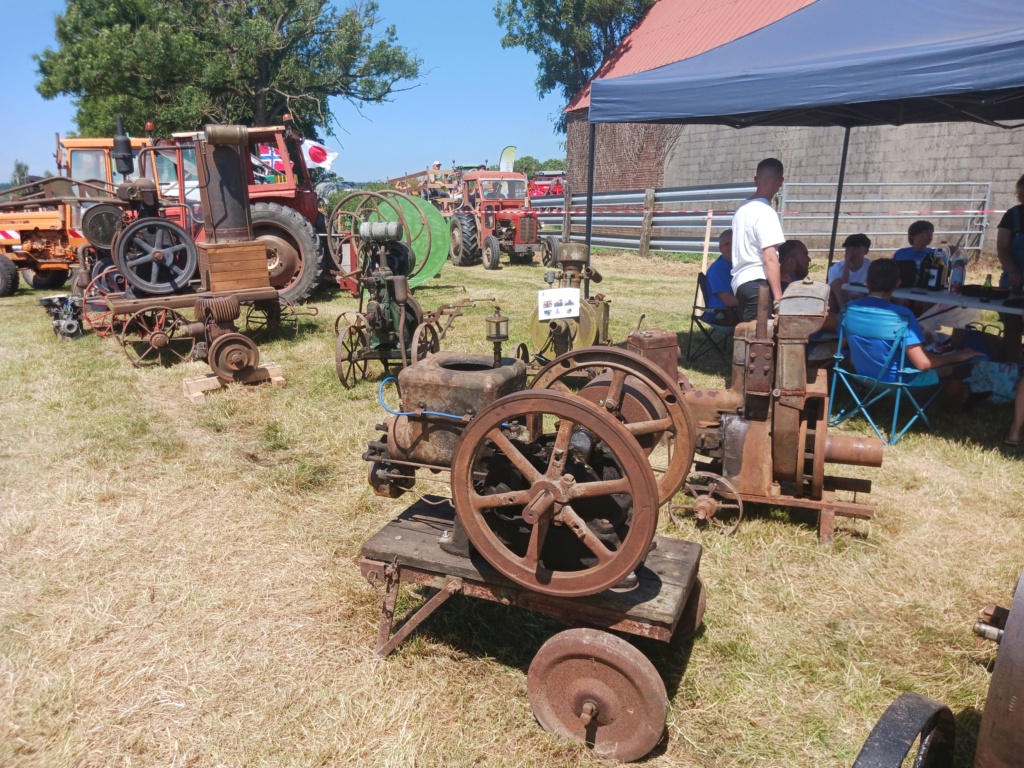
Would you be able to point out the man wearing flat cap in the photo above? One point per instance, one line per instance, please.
(852, 269)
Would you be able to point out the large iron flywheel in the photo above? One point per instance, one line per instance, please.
(554, 493)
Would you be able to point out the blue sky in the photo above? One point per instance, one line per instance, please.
(474, 98)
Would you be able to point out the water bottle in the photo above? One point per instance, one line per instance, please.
(940, 258)
(958, 272)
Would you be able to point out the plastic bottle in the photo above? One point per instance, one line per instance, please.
(988, 281)
(957, 272)
(940, 259)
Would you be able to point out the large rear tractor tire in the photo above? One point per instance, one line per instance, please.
(9, 277)
(45, 281)
(293, 255)
(465, 247)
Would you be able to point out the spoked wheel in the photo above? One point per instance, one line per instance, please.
(98, 315)
(425, 341)
(155, 336)
(635, 393)
(348, 359)
(265, 317)
(711, 500)
(590, 686)
(554, 493)
(911, 721)
(156, 256)
(386, 205)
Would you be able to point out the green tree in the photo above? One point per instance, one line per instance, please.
(529, 165)
(184, 63)
(19, 173)
(571, 37)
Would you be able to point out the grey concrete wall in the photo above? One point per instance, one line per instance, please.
(699, 154)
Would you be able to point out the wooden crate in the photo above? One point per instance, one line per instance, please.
(233, 266)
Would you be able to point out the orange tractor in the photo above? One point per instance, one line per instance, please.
(493, 217)
(43, 223)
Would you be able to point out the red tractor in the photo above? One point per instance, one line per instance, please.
(493, 217)
(284, 206)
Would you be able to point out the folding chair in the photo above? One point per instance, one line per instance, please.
(713, 336)
(868, 388)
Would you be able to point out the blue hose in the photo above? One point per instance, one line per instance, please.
(380, 397)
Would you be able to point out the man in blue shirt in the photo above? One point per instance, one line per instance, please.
(868, 355)
(720, 299)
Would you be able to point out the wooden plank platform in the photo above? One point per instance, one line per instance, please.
(652, 608)
(195, 388)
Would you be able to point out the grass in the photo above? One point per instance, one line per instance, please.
(179, 584)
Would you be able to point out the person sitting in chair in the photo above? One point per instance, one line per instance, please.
(495, 192)
(794, 262)
(721, 301)
(869, 355)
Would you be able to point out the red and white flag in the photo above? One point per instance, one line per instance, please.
(317, 154)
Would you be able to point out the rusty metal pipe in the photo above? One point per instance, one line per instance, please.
(856, 451)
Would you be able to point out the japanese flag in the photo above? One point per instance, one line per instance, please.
(317, 154)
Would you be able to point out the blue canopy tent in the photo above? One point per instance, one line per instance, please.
(838, 63)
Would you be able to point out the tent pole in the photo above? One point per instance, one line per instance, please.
(839, 200)
(590, 201)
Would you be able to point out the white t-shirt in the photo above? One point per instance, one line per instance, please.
(755, 226)
(856, 276)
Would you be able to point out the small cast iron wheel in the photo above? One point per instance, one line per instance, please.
(263, 317)
(390, 481)
(156, 256)
(348, 359)
(233, 357)
(549, 250)
(95, 310)
(153, 336)
(590, 686)
(491, 253)
(711, 500)
(626, 369)
(554, 493)
(425, 341)
(912, 720)
(693, 613)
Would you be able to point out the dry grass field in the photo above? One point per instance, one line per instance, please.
(179, 583)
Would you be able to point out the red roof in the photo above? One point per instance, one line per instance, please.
(680, 29)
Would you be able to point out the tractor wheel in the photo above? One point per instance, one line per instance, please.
(45, 281)
(491, 253)
(9, 276)
(293, 255)
(465, 251)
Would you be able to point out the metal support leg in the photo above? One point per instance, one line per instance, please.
(393, 578)
(826, 525)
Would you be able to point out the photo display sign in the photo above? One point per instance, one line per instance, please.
(558, 303)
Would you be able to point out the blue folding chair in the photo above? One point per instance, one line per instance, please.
(868, 387)
(714, 337)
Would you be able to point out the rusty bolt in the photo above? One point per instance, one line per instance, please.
(589, 712)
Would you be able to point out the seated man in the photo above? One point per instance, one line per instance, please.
(495, 191)
(852, 269)
(794, 262)
(868, 355)
(721, 301)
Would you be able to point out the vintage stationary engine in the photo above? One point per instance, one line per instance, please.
(549, 488)
(385, 324)
(552, 335)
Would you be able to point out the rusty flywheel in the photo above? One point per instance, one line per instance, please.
(637, 394)
(554, 493)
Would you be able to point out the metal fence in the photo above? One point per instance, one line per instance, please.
(676, 219)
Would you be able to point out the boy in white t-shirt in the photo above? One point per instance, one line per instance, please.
(852, 269)
(757, 234)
